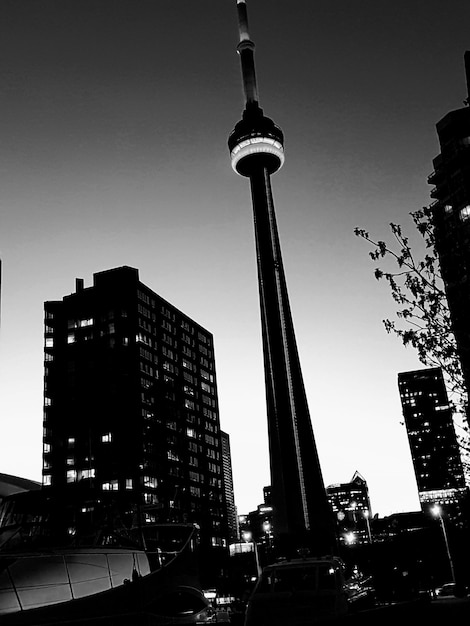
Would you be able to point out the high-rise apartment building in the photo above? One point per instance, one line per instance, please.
(451, 220)
(130, 405)
(232, 519)
(433, 442)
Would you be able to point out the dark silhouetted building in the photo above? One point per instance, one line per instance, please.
(228, 487)
(259, 523)
(350, 504)
(130, 406)
(301, 513)
(451, 219)
(433, 442)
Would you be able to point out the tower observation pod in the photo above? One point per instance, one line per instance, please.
(302, 516)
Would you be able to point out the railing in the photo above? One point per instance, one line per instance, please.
(41, 579)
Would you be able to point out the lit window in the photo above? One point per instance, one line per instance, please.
(47, 480)
(47, 448)
(70, 460)
(129, 483)
(71, 442)
(71, 338)
(150, 498)
(150, 481)
(88, 473)
(49, 342)
(191, 432)
(465, 213)
(47, 401)
(71, 476)
(107, 437)
(110, 486)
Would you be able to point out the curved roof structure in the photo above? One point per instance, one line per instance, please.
(14, 484)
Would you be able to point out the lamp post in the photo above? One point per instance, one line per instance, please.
(366, 514)
(248, 537)
(436, 511)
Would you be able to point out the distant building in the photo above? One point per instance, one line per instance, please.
(350, 504)
(228, 487)
(433, 442)
(451, 220)
(130, 405)
(258, 524)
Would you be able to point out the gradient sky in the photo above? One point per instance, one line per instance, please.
(114, 116)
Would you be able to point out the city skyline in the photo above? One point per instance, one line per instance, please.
(114, 125)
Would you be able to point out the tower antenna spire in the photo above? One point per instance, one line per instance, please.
(246, 50)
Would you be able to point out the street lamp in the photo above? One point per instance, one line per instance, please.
(350, 538)
(366, 514)
(248, 537)
(436, 511)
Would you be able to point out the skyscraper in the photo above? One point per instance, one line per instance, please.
(130, 405)
(227, 481)
(451, 220)
(433, 442)
(301, 512)
(350, 504)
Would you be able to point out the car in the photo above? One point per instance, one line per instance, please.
(303, 591)
(452, 589)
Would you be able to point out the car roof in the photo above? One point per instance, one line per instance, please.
(307, 562)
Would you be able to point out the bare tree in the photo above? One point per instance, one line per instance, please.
(423, 317)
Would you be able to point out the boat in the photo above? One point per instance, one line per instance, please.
(54, 573)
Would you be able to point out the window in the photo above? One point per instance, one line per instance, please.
(195, 491)
(70, 460)
(88, 473)
(112, 485)
(191, 432)
(189, 404)
(71, 476)
(70, 338)
(47, 480)
(71, 442)
(465, 213)
(150, 481)
(47, 448)
(129, 483)
(150, 498)
(107, 437)
(218, 542)
(172, 456)
(49, 342)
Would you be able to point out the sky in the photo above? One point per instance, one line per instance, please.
(114, 118)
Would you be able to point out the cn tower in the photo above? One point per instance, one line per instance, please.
(302, 516)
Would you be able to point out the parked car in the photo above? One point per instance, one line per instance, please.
(452, 589)
(303, 591)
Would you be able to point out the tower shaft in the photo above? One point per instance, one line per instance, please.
(299, 499)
